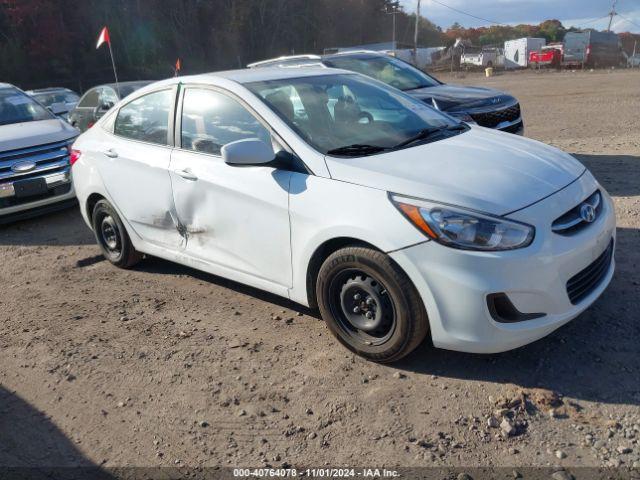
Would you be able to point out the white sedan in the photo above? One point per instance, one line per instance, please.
(337, 191)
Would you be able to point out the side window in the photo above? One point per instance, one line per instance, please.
(146, 118)
(108, 97)
(90, 98)
(211, 119)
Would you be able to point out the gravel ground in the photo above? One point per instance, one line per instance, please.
(163, 365)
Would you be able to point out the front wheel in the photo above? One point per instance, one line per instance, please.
(370, 305)
(112, 237)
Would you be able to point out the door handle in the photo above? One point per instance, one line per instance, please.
(111, 153)
(187, 174)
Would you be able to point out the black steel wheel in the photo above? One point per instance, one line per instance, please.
(112, 237)
(360, 303)
(370, 305)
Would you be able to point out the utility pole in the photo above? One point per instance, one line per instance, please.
(612, 14)
(393, 8)
(415, 32)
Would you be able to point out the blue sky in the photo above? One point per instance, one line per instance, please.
(579, 13)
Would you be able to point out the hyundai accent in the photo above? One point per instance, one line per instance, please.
(337, 191)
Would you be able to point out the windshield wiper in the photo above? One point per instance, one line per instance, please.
(357, 149)
(429, 132)
(425, 85)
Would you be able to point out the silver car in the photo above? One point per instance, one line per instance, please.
(35, 175)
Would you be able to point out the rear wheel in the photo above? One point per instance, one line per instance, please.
(112, 237)
(370, 305)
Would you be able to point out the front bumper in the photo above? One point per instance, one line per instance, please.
(60, 194)
(454, 284)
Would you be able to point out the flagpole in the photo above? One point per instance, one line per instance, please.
(113, 64)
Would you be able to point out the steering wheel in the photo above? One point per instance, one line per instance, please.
(365, 118)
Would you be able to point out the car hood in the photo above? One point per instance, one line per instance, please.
(30, 134)
(480, 169)
(458, 97)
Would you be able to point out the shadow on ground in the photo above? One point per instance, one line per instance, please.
(56, 229)
(159, 266)
(617, 173)
(596, 357)
(31, 446)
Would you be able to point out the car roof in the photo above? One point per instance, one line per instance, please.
(125, 84)
(317, 58)
(243, 76)
(284, 58)
(264, 74)
(356, 53)
(49, 89)
(6, 85)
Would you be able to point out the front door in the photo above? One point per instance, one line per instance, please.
(235, 218)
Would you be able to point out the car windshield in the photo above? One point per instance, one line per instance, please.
(18, 107)
(351, 113)
(49, 98)
(387, 69)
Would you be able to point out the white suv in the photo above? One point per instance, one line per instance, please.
(35, 173)
(333, 189)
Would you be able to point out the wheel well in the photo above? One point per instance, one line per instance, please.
(91, 203)
(321, 254)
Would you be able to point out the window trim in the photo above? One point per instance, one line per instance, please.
(177, 140)
(171, 117)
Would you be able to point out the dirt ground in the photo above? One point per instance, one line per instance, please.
(166, 366)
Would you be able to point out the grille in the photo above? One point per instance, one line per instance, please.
(584, 282)
(572, 221)
(47, 158)
(494, 118)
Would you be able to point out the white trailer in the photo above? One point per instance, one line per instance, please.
(516, 52)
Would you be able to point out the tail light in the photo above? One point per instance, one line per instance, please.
(74, 156)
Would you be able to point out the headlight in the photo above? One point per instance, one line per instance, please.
(459, 228)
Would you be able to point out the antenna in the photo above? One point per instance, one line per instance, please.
(612, 14)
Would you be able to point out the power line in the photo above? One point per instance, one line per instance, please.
(593, 21)
(505, 25)
(468, 14)
(629, 20)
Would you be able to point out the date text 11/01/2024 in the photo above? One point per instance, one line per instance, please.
(315, 472)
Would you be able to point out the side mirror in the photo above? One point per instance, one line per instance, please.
(58, 109)
(251, 151)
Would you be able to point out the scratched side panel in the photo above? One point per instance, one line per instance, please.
(235, 217)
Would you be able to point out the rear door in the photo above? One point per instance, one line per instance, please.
(234, 217)
(134, 166)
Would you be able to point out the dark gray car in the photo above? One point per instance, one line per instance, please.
(98, 100)
(484, 106)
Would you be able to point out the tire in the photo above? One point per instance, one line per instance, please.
(398, 321)
(112, 237)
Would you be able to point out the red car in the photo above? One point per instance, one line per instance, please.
(550, 55)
